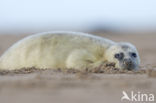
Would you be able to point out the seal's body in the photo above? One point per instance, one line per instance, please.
(67, 50)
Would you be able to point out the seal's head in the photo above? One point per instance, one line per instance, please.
(124, 55)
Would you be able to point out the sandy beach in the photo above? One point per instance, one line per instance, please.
(67, 87)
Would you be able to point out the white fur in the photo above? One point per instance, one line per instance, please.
(57, 50)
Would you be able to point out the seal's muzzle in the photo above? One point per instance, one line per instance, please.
(128, 64)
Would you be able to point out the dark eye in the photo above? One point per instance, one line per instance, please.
(119, 55)
(134, 55)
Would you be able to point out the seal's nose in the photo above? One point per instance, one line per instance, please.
(128, 63)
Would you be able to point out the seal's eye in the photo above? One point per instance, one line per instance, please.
(133, 55)
(119, 55)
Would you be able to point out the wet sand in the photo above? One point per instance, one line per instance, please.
(31, 85)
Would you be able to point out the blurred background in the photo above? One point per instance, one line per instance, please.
(111, 19)
(32, 16)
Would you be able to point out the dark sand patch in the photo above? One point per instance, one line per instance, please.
(106, 68)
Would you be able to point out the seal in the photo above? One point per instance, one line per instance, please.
(68, 50)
